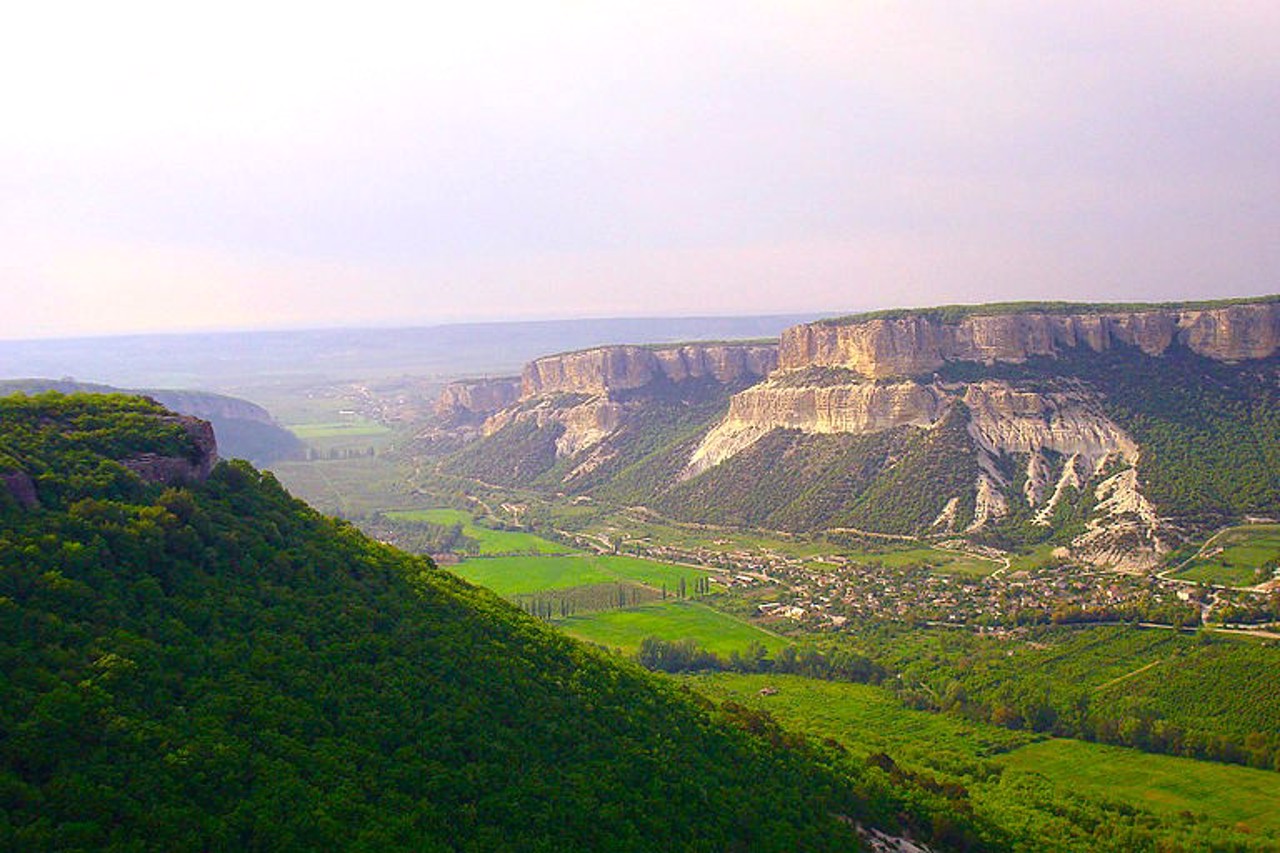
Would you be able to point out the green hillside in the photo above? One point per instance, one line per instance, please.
(215, 666)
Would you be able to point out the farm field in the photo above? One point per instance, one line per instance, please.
(526, 574)
(345, 487)
(1238, 556)
(714, 631)
(356, 428)
(937, 559)
(1161, 783)
(356, 435)
(491, 541)
(868, 719)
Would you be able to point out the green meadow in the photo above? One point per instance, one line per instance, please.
(1161, 783)
(491, 541)
(866, 720)
(1239, 556)
(526, 574)
(714, 631)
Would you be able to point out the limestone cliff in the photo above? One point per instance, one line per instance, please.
(1040, 443)
(599, 374)
(623, 368)
(915, 344)
(1036, 443)
(477, 398)
(577, 406)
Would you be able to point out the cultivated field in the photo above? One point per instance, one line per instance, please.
(491, 541)
(346, 487)
(525, 574)
(670, 620)
(1238, 556)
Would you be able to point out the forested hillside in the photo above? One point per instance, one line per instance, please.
(212, 665)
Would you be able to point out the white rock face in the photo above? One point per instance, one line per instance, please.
(1010, 420)
(584, 425)
(857, 408)
(917, 344)
(1003, 420)
(623, 368)
(1125, 532)
(989, 504)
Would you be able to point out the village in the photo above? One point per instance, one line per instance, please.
(830, 591)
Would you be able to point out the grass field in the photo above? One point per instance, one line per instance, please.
(345, 486)
(1033, 559)
(865, 718)
(1235, 556)
(1160, 783)
(868, 719)
(669, 620)
(356, 435)
(517, 575)
(491, 541)
(937, 559)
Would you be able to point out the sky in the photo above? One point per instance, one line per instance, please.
(172, 166)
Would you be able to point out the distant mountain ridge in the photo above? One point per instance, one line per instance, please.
(229, 360)
(1102, 429)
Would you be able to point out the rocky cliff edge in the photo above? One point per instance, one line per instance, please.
(915, 344)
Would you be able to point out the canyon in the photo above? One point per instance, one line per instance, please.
(1036, 420)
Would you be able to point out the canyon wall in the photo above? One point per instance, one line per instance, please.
(623, 368)
(481, 397)
(917, 344)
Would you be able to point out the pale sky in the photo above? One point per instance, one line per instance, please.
(175, 166)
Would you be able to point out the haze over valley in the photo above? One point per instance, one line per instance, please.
(708, 427)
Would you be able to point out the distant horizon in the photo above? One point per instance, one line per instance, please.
(407, 325)
(402, 165)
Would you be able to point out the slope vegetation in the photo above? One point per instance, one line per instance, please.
(211, 665)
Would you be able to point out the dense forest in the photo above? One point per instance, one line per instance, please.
(213, 665)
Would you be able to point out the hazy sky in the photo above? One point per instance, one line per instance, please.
(174, 165)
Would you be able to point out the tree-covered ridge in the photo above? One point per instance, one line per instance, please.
(952, 314)
(45, 427)
(219, 667)
(72, 446)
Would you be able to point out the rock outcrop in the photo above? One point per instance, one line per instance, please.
(477, 398)
(178, 470)
(580, 406)
(598, 375)
(624, 368)
(920, 343)
(21, 488)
